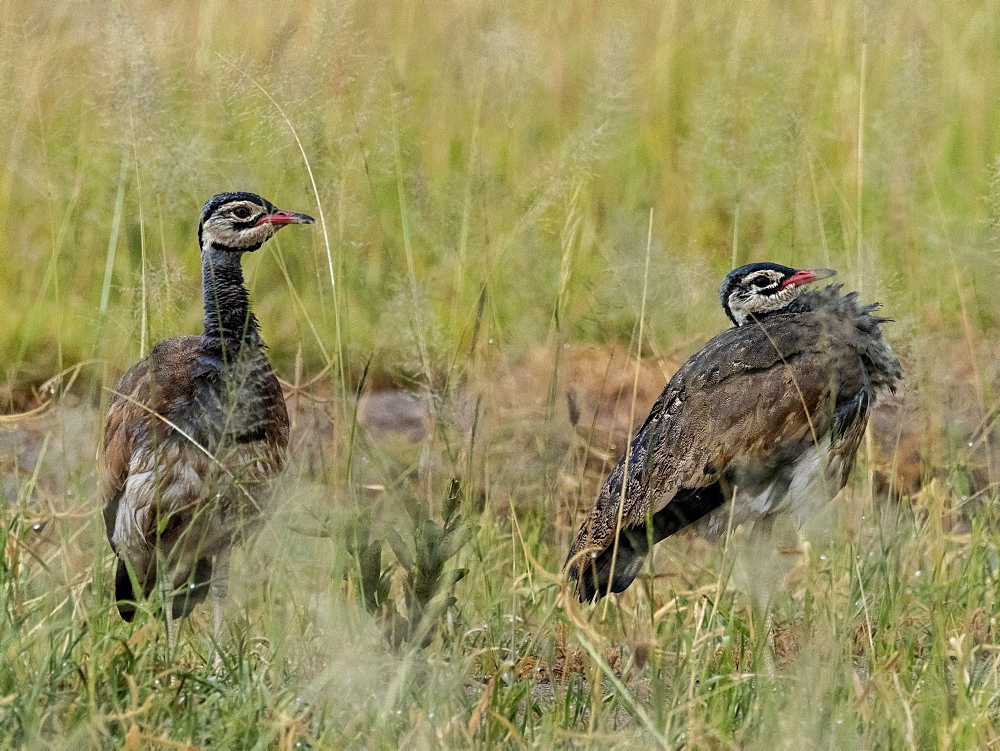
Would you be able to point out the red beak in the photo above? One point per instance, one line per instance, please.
(807, 276)
(281, 218)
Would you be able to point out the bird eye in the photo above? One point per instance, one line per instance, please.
(241, 212)
(762, 281)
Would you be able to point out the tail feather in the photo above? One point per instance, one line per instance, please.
(195, 590)
(595, 574)
(124, 592)
(687, 506)
(192, 592)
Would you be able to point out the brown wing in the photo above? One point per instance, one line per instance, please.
(131, 421)
(172, 387)
(160, 391)
(750, 396)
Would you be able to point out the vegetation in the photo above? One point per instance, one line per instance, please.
(513, 201)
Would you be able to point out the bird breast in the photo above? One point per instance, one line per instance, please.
(174, 478)
(231, 405)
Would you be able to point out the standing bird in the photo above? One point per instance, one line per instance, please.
(195, 431)
(764, 421)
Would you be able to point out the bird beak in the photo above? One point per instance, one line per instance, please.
(281, 218)
(807, 276)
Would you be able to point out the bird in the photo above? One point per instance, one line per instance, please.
(762, 424)
(195, 432)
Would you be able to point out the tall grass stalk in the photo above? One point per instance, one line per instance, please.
(474, 310)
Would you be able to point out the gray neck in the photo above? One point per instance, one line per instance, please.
(230, 326)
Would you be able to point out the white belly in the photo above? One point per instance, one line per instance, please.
(815, 480)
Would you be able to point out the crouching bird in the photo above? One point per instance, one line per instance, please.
(763, 422)
(195, 432)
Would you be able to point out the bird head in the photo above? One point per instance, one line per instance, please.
(242, 222)
(759, 288)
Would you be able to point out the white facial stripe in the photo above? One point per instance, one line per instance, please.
(221, 230)
(253, 210)
(743, 307)
(772, 277)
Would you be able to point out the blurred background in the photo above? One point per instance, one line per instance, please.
(525, 211)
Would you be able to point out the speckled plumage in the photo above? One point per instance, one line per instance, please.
(189, 452)
(196, 430)
(770, 412)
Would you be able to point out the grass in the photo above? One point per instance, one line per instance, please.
(514, 198)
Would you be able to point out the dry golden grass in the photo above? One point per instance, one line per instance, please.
(495, 182)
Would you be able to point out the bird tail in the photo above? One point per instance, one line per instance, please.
(124, 592)
(595, 574)
(193, 591)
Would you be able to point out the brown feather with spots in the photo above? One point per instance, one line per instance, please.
(196, 430)
(739, 414)
(175, 511)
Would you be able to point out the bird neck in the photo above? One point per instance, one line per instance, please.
(230, 326)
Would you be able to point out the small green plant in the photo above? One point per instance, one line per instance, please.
(470, 192)
(423, 554)
(374, 580)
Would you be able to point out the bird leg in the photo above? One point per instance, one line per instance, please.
(167, 595)
(219, 589)
(764, 571)
(770, 665)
